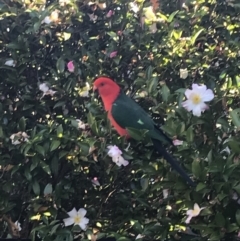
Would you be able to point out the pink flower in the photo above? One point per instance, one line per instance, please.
(119, 33)
(177, 142)
(114, 151)
(70, 66)
(95, 182)
(116, 155)
(109, 14)
(113, 54)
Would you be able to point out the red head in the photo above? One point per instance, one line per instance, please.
(107, 89)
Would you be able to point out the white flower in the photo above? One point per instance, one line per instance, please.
(183, 73)
(196, 98)
(47, 20)
(43, 87)
(114, 151)
(85, 91)
(46, 90)
(18, 225)
(63, 2)
(52, 18)
(77, 218)
(10, 63)
(177, 142)
(119, 160)
(25, 137)
(165, 193)
(134, 7)
(139, 236)
(15, 140)
(193, 213)
(81, 124)
(18, 138)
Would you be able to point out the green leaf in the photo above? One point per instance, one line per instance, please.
(223, 74)
(1, 132)
(180, 128)
(149, 72)
(36, 187)
(194, 38)
(220, 220)
(55, 165)
(45, 167)
(165, 93)
(90, 118)
(34, 164)
(162, 16)
(237, 188)
(171, 17)
(54, 145)
(48, 189)
(60, 131)
(190, 134)
(196, 168)
(235, 115)
(238, 217)
(60, 65)
(112, 34)
(59, 104)
(200, 185)
(22, 124)
(152, 84)
(40, 149)
(28, 174)
(144, 183)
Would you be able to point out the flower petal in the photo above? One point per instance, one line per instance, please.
(188, 219)
(85, 220)
(196, 207)
(203, 106)
(68, 221)
(197, 110)
(83, 223)
(73, 213)
(189, 212)
(188, 92)
(199, 88)
(188, 105)
(82, 212)
(207, 95)
(177, 142)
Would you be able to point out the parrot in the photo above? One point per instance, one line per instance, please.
(123, 112)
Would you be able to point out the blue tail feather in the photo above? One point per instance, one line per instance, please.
(170, 159)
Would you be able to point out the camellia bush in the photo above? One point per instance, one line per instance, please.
(65, 174)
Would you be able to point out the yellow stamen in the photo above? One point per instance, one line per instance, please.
(196, 98)
(77, 219)
(195, 212)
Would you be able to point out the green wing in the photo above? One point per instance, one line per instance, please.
(127, 113)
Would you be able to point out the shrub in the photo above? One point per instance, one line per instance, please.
(54, 133)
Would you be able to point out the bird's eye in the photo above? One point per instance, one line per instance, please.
(102, 84)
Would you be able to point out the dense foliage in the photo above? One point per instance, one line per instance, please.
(51, 162)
